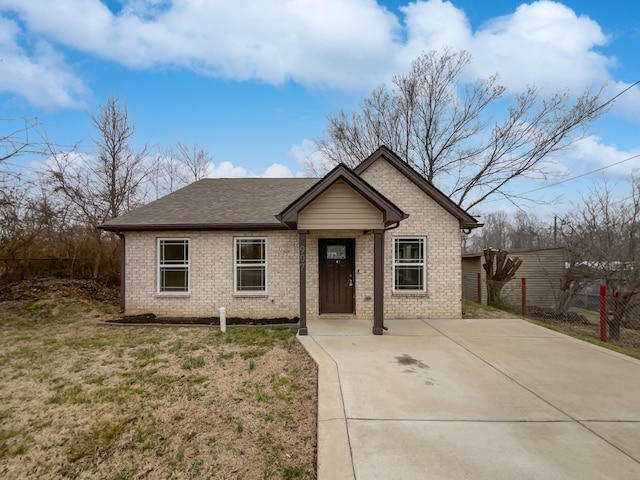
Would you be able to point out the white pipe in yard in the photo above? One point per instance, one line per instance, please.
(223, 319)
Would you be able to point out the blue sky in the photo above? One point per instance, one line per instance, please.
(253, 81)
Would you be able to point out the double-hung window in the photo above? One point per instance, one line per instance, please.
(250, 265)
(173, 265)
(409, 264)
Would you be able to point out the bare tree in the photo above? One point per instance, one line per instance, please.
(529, 231)
(444, 129)
(178, 166)
(196, 161)
(12, 213)
(165, 174)
(602, 241)
(33, 225)
(19, 139)
(494, 233)
(106, 183)
(520, 230)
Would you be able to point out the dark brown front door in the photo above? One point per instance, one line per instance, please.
(337, 277)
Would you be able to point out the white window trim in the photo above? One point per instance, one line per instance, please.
(422, 264)
(159, 266)
(236, 264)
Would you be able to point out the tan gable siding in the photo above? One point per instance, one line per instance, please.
(340, 207)
(443, 248)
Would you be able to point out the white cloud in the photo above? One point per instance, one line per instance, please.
(268, 40)
(590, 154)
(544, 43)
(434, 25)
(342, 44)
(229, 170)
(277, 170)
(315, 163)
(42, 76)
(628, 105)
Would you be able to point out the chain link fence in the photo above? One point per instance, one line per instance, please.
(609, 317)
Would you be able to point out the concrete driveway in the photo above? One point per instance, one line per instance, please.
(476, 399)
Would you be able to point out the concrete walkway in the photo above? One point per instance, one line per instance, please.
(472, 399)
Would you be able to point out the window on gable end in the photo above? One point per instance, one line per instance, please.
(409, 264)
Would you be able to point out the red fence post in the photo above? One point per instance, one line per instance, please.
(524, 297)
(603, 313)
(479, 288)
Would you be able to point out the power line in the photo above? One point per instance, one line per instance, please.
(581, 175)
(601, 107)
(569, 179)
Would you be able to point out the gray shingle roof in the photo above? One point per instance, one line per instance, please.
(217, 203)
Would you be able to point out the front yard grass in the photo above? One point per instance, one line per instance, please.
(79, 400)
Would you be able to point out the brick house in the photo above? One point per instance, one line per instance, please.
(375, 242)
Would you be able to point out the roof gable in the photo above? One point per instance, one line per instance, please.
(390, 212)
(466, 220)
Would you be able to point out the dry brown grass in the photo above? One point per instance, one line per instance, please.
(79, 400)
(477, 310)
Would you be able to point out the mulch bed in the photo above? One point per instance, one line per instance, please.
(150, 318)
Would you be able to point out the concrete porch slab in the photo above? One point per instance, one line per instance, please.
(339, 326)
(409, 327)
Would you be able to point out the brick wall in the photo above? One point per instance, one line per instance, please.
(442, 231)
(211, 276)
